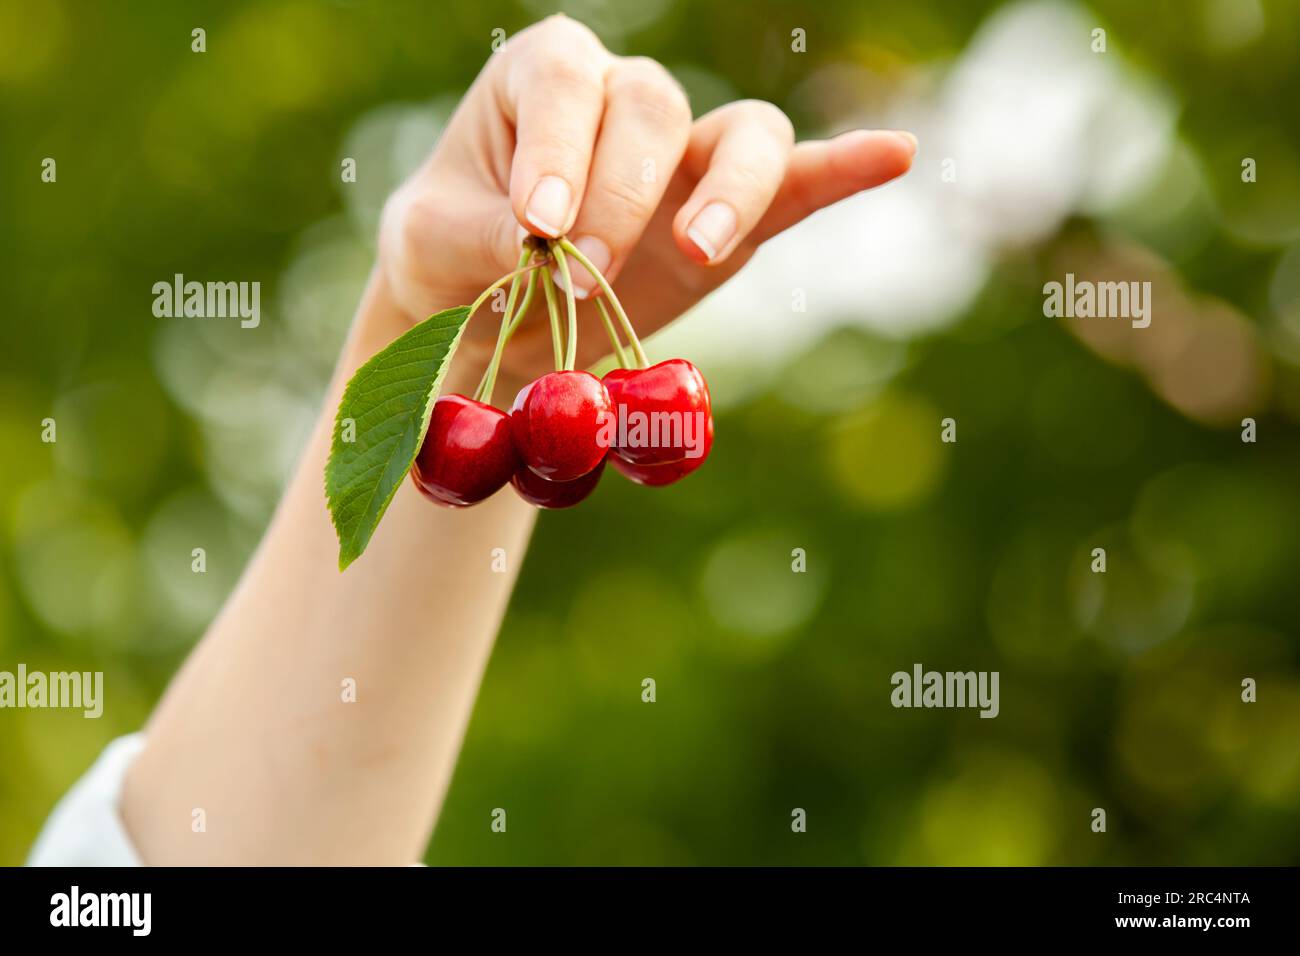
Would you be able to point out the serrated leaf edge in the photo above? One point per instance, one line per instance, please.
(358, 545)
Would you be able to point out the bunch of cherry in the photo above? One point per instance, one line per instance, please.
(562, 429)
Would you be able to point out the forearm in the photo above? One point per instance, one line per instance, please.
(257, 730)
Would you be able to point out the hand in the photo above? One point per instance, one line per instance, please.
(554, 136)
(558, 136)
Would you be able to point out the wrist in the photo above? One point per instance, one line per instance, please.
(380, 320)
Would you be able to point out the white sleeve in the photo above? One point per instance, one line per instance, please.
(85, 828)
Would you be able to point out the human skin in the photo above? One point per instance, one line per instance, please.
(554, 137)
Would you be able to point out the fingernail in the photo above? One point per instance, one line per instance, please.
(548, 206)
(907, 138)
(595, 250)
(712, 228)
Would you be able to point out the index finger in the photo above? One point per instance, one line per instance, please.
(553, 93)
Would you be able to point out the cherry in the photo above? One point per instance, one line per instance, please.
(641, 397)
(467, 453)
(542, 493)
(561, 423)
(656, 476)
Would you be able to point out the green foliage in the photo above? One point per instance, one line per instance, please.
(388, 401)
(176, 433)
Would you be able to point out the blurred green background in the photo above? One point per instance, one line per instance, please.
(1119, 691)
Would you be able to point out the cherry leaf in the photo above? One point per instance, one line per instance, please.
(380, 424)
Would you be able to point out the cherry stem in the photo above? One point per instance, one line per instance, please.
(484, 391)
(571, 339)
(612, 333)
(523, 306)
(498, 284)
(514, 324)
(608, 290)
(549, 288)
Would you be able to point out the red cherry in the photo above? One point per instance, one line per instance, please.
(641, 397)
(562, 424)
(467, 453)
(658, 475)
(555, 494)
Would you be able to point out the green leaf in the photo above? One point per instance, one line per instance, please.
(389, 400)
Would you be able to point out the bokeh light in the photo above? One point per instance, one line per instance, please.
(833, 360)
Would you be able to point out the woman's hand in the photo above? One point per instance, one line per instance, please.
(561, 136)
(558, 136)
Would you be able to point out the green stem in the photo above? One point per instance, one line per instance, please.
(523, 306)
(605, 287)
(505, 323)
(490, 375)
(549, 288)
(571, 340)
(612, 333)
(498, 284)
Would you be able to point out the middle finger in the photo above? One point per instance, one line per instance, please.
(642, 137)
